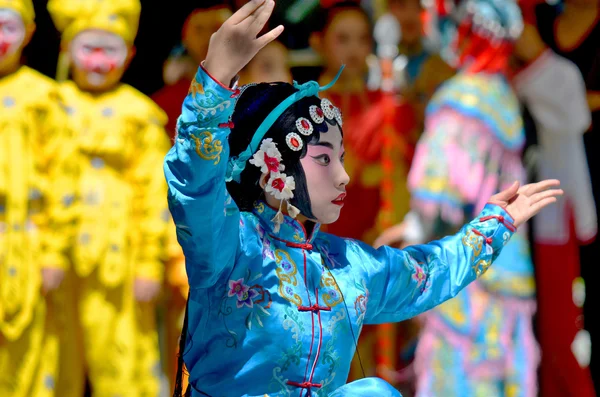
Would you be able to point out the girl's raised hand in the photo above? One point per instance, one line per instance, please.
(236, 42)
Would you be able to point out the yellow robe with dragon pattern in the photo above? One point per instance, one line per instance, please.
(121, 236)
(36, 212)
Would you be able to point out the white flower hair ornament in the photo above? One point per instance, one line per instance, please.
(279, 185)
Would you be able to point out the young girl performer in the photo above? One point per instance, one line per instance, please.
(275, 307)
(122, 220)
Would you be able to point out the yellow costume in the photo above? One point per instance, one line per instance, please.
(123, 218)
(176, 292)
(35, 211)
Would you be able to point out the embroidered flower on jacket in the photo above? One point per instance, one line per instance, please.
(242, 292)
(268, 157)
(360, 305)
(419, 275)
(237, 288)
(287, 266)
(281, 186)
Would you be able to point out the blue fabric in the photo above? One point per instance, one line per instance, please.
(251, 328)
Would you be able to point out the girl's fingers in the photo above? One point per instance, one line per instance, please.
(269, 36)
(247, 10)
(261, 17)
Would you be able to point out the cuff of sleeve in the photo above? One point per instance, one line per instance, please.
(495, 225)
(54, 261)
(232, 89)
(150, 270)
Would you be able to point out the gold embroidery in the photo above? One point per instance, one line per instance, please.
(196, 88)
(260, 207)
(287, 277)
(207, 147)
(473, 241)
(481, 267)
(330, 299)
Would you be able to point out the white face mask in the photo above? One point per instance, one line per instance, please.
(326, 178)
(99, 54)
(12, 33)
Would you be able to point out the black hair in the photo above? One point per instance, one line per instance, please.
(253, 106)
(325, 15)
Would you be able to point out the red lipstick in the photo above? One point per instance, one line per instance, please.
(339, 200)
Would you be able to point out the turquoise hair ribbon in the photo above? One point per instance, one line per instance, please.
(236, 165)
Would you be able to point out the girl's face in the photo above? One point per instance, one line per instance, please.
(12, 37)
(326, 177)
(347, 40)
(408, 14)
(99, 59)
(199, 27)
(269, 65)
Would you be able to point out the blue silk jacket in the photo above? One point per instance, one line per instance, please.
(279, 314)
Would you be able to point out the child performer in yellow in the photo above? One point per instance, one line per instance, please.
(121, 232)
(35, 209)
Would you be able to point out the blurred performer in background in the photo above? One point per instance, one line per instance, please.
(378, 153)
(480, 343)
(203, 19)
(426, 69)
(572, 30)
(36, 209)
(268, 66)
(123, 219)
(553, 90)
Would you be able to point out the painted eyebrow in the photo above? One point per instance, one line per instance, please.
(325, 144)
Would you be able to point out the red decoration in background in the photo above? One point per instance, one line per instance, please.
(331, 3)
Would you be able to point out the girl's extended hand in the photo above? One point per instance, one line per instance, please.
(235, 43)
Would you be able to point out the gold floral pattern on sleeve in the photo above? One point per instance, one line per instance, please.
(481, 267)
(473, 241)
(195, 89)
(207, 147)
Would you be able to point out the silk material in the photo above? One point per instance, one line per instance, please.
(482, 341)
(121, 236)
(36, 208)
(278, 313)
(120, 141)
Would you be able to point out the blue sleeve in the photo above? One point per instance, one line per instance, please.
(206, 217)
(405, 283)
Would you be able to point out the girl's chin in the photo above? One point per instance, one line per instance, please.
(332, 215)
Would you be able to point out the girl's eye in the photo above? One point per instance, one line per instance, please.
(323, 159)
(343, 157)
